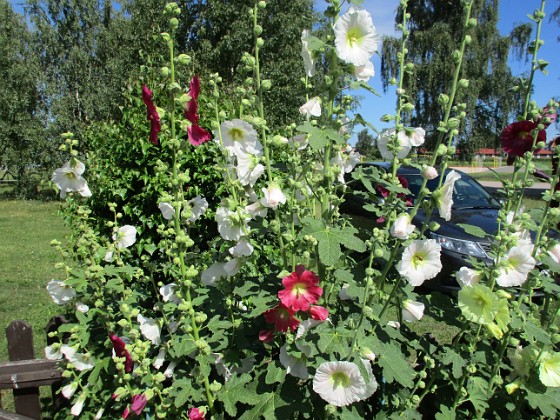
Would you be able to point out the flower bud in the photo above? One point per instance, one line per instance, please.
(260, 42)
(174, 23)
(456, 55)
(266, 84)
(464, 83)
(387, 118)
(472, 22)
(468, 39)
(164, 71)
(429, 172)
(262, 4)
(257, 30)
(184, 59)
(165, 36)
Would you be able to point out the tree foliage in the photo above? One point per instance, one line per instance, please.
(435, 32)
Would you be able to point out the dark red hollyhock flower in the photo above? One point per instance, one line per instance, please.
(282, 317)
(152, 115)
(318, 313)
(137, 404)
(197, 134)
(516, 138)
(404, 183)
(121, 351)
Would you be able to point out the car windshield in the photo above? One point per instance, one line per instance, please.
(467, 193)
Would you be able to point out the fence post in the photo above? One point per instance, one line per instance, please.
(20, 347)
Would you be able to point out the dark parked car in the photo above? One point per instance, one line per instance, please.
(472, 205)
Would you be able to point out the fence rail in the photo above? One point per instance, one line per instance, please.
(24, 374)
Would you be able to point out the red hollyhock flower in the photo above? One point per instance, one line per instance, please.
(282, 317)
(318, 313)
(301, 289)
(516, 138)
(121, 351)
(266, 336)
(152, 115)
(404, 183)
(197, 134)
(137, 404)
(196, 414)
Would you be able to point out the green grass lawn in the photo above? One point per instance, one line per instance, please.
(26, 265)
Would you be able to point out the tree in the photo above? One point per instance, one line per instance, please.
(22, 145)
(435, 32)
(364, 145)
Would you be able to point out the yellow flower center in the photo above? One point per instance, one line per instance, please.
(299, 289)
(353, 36)
(418, 259)
(236, 134)
(340, 379)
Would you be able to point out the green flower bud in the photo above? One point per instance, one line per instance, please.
(67, 135)
(165, 36)
(260, 42)
(262, 4)
(257, 30)
(184, 59)
(456, 55)
(387, 118)
(463, 83)
(174, 23)
(472, 23)
(468, 39)
(164, 71)
(266, 84)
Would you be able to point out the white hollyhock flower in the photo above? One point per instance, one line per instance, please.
(232, 266)
(341, 383)
(403, 227)
(311, 108)
(149, 329)
(256, 209)
(99, 414)
(68, 352)
(444, 195)
(273, 196)
(300, 141)
(60, 292)
(412, 311)
(167, 211)
(168, 293)
(231, 225)
(365, 72)
(295, 366)
(346, 162)
(355, 37)
(82, 307)
(249, 169)
(243, 248)
(213, 274)
(429, 172)
(387, 138)
(69, 390)
(306, 54)
(78, 406)
(168, 372)
(467, 277)
(420, 261)
(549, 369)
(199, 205)
(240, 133)
(554, 260)
(343, 293)
(515, 266)
(416, 136)
(68, 179)
(160, 358)
(306, 325)
(81, 361)
(394, 324)
(53, 352)
(125, 236)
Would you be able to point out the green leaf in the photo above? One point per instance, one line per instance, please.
(548, 403)
(472, 230)
(266, 407)
(477, 389)
(235, 391)
(536, 333)
(275, 373)
(347, 237)
(445, 413)
(453, 358)
(394, 364)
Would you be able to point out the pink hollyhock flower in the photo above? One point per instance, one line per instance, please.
(516, 138)
(137, 404)
(301, 289)
(121, 351)
(196, 414)
(152, 115)
(318, 313)
(282, 317)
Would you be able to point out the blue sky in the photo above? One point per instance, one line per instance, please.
(511, 13)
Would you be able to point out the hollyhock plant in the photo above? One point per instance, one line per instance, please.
(318, 313)
(385, 144)
(137, 404)
(549, 369)
(273, 196)
(196, 414)
(282, 317)
(517, 138)
(167, 211)
(365, 72)
(478, 304)
(231, 225)
(121, 351)
(355, 37)
(300, 289)
(421, 261)
(429, 172)
(199, 206)
(241, 134)
(150, 329)
(152, 115)
(412, 311)
(467, 277)
(341, 383)
(78, 406)
(295, 366)
(68, 179)
(68, 390)
(198, 135)
(403, 227)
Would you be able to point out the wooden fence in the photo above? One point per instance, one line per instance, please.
(24, 374)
